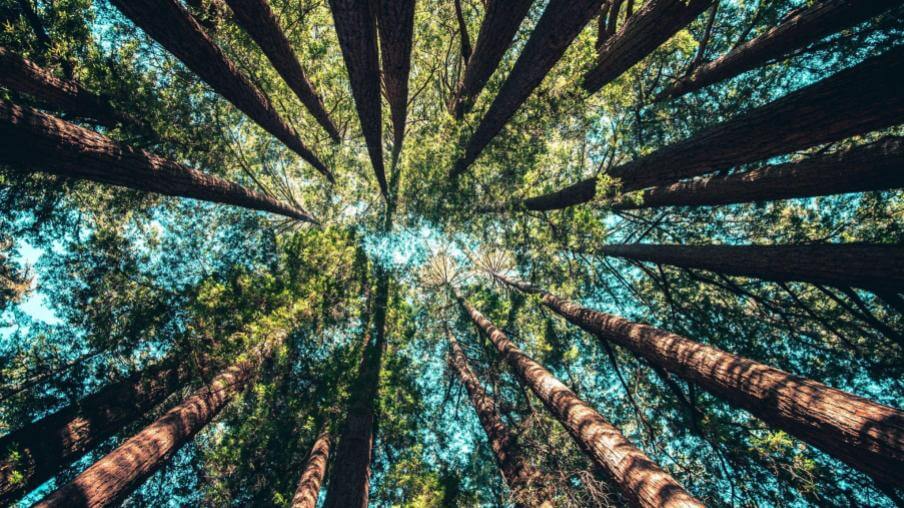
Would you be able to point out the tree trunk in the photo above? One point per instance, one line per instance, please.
(36, 452)
(560, 23)
(873, 167)
(654, 23)
(112, 478)
(34, 141)
(354, 22)
(805, 27)
(257, 18)
(522, 478)
(612, 22)
(878, 268)
(314, 471)
(498, 30)
(170, 24)
(865, 435)
(396, 26)
(463, 30)
(642, 482)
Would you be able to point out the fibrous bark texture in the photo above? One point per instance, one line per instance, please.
(170, 24)
(641, 481)
(396, 26)
(314, 471)
(34, 141)
(804, 27)
(560, 23)
(257, 18)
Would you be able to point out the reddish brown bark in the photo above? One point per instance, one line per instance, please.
(560, 23)
(641, 481)
(804, 27)
(863, 434)
(396, 27)
(314, 471)
(257, 18)
(35, 141)
(170, 24)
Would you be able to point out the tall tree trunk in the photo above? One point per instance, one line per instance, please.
(642, 482)
(860, 99)
(866, 435)
(522, 478)
(498, 30)
(877, 268)
(560, 23)
(805, 27)
(112, 478)
(612, 22)
(170, 24)
(314, 471)
(873, 167)
(463, 30)
(34, 141)
(36, 452)
(257, 18)
(354, 22)
(396, 25)
(602, 32)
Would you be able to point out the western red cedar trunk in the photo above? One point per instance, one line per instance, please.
(522, 478)
(560, 23)
(866, 435)
(641, 481)
(601, 32)
(257, 18)
(170, 24)
(863, 98)
(33, 141)
(612, 22)
(314, 471)
(354, 22)
(36, 452)
(868, 266)
(806, 26)
(396, 27)
(497, 31)
(873, 167)
(112, 478)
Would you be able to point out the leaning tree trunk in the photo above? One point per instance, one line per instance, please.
(258, 19)
(804, 27)
(500, 24)
(522, 478)
(396, 26)
(560, 23)
(170, 24)
(354, 22)
(112, 478)
(866, 435)
(36, 452)
(641, 481)
(314, 471)
(34, 141)
(863, 98)
(878, 268)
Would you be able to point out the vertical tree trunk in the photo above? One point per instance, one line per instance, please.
(35, 141)
(560, 23)
(463, 30)
(396, 25)
(866, 435)
(642, 482)
(602, 33)
(256, 18)
(612, 22)
(314, 472)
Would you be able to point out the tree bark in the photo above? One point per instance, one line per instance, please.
(865, 435)
(805, 27)
(314, 471)
(612, 22)
(257, 18)
(396, 26)
(36, 452)
(463, 30)
(354, 22)
(642, 482)
(560, 23)
(32, 141)
(170, 24)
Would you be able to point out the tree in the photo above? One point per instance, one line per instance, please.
(396, 26)
(313, 473)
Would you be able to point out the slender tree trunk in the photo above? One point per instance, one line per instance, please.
(257, 18)
(314, 472)
(463, 29)
(32, 141)
(498, 30)
(522, 478)
(112, 478)
(354, 22)
(36, 452)
(170, 24)
(396, 26)
(866, 435)
(642, 482)
(602, 33)
(877, 268)
(612, 22)
(560, 23)
(707, 34)
(805, 27)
